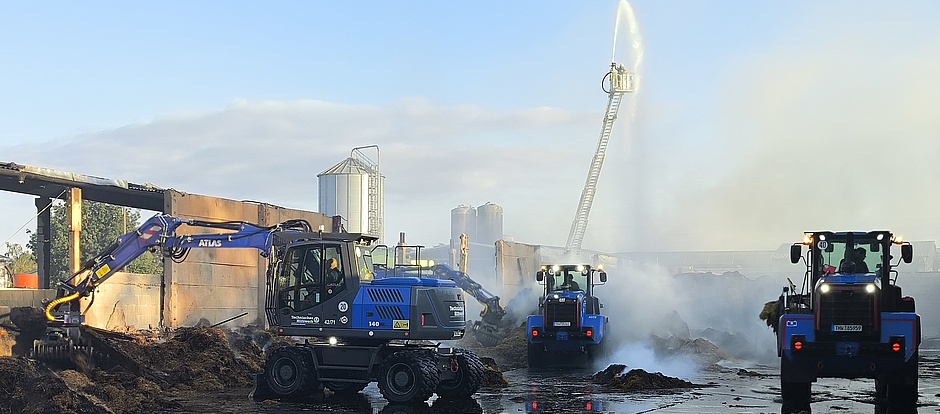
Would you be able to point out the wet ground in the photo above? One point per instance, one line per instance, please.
(726, 388)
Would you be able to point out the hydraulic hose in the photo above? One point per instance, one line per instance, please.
(58, 302)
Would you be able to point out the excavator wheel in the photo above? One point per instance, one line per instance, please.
(288, 371)
(469, 371)
(408, 376)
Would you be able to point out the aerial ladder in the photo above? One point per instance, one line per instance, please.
(618, 83)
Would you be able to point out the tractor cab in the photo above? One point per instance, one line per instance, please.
(851, 267)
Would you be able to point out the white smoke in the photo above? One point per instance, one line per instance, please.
(643, 301)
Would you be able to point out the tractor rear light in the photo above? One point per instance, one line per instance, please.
(422, 319)
(535, 405)
(587, 407)
(897, 343)
(797, 342)
(589, 333)
(535, 333)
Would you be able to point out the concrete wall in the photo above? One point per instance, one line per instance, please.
(516, 264)
(217, 284)
(125, 300)
(15, 298)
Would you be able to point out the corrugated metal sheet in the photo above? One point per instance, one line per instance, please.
(348, 166)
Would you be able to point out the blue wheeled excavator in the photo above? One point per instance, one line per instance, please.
(320, 286)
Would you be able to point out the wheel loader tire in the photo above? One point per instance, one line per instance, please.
(288, 371)
(408, 376)
(469, 377)
(536, 357)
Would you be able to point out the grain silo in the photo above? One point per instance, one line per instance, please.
(489, 223)
(463, 219)
(353, 189)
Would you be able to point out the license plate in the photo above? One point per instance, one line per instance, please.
(569, 324)
(846, 328)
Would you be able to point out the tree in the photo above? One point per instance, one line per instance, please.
(20, 260)
(101, 225)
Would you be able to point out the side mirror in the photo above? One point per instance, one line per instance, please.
(907, 253)
(540, 275)
(796, 252)
(603, 277)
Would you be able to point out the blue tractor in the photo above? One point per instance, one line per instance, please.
(849, 320)
(569, 320)
(320, 287)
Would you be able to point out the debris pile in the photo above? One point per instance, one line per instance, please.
(510, 352)
(198, 359)
(28, 386)
(637, 380)
(701, 350)
(144, 372)
(492, 375)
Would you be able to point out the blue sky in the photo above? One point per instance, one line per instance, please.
(754, 121)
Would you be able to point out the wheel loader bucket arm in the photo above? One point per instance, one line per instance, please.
(492, 310)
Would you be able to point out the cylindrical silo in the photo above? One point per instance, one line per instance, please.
(463, 219)
(353, 189)
(489, 223)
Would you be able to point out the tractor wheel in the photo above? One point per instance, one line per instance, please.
(288, 370)
(345, 388)
(408, 376)
(536, 357)
(469, 376)
(796, 397)
(881, 396)
(902, 390)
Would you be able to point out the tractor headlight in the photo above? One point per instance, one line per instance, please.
(555, 269)
(824, 288)
(580, 268)
(870, 288)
